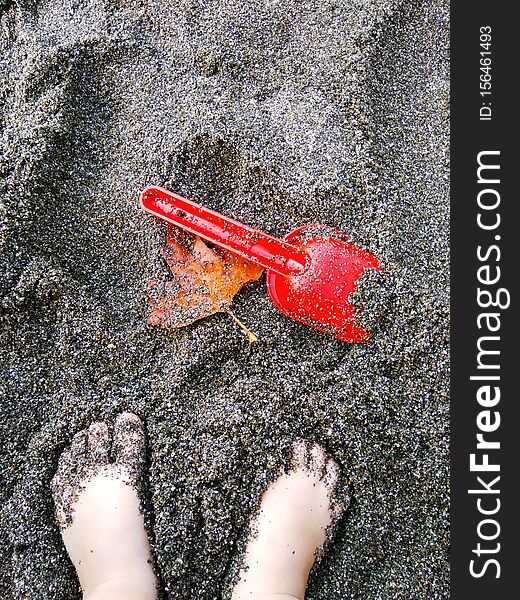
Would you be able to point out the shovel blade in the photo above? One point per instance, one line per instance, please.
(320, 297)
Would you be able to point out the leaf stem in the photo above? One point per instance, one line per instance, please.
(253, 339)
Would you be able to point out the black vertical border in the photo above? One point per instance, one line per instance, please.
(469, 136)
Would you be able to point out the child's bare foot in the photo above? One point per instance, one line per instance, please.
(97, 508)
(295, 514)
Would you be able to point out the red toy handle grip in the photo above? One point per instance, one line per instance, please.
(256, 246)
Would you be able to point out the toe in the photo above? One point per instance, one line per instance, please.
(337, 510)
(331, 475)
(61, 486)
(64, 463)
(317, 460)
(300, 456)
(78, 446)
(129, 440)
(99, 442)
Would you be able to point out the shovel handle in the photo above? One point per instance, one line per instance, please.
(256, 246)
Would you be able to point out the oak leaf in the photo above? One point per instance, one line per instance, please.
(204, 282)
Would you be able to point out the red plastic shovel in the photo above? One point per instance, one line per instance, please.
(311, 272)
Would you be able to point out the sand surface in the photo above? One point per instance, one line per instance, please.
(279, 114)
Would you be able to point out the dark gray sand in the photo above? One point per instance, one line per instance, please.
(279, 114)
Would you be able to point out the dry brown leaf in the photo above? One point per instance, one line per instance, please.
(204, 282)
